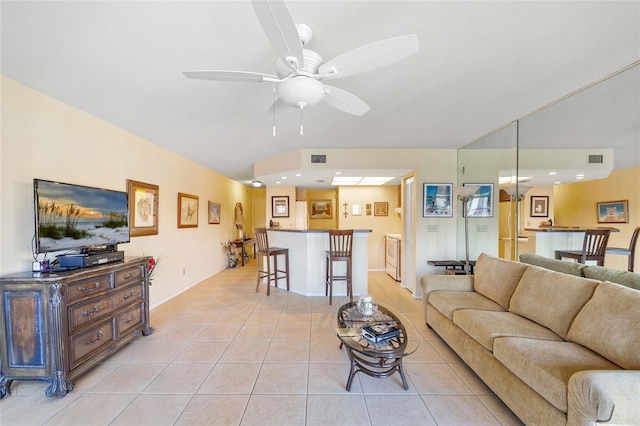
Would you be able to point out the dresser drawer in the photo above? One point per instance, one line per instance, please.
(92, 310)
(129, 319)
(129, 275)
(87, 288)
(83, 344)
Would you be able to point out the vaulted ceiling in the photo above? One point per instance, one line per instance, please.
(480, 65)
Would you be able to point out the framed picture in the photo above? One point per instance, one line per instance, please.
(381, 208)
(356, 209)
(321, 209)
(481, 205)
(214, 213)
(437, 200)
(280, 206)
(368, 209)
(613, 211)
(187, 210)
(539, 206)
(143, 208)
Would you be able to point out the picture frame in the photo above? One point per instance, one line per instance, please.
(437, 200)
(321, 209)
(187, 210)
(214, 213)
(481, 205)
(613, 211)
(381, 208)
(539, 206)
(280, 206)
(368, 209)
(356, 209)
(143, 208)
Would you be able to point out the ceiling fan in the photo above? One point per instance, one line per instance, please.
(300, 72)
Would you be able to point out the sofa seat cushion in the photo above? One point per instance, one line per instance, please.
(485, 326)
(546, 366)
(550, 298)
(609, 324)
(447, 302)
(497, 278)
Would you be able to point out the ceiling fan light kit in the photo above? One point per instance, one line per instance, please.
(300, 71)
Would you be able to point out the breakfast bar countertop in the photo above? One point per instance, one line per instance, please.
(568, 228)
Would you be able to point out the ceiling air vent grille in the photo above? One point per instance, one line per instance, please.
(595, 159)
(318, 159)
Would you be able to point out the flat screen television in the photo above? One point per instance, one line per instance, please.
(79, 218)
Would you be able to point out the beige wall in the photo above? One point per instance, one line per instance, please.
(575, 205)
(44, 138)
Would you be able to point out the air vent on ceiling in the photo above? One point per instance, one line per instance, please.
(595, 159)
(318, 159)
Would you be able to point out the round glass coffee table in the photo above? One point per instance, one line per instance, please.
(376, 359)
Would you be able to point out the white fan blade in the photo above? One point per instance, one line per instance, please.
(222, 75)
(281, 30)
(345, 101)
(371, 56)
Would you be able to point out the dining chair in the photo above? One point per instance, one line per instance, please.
(631, 251)
(340, 250)
(594, 247)
(266, 253)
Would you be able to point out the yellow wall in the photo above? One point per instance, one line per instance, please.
(575, 205)
(44, 138)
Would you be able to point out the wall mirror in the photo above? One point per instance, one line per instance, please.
(591, 132)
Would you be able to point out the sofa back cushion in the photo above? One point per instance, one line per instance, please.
(617, 276)
(550, 298)
(564, 266)
(609, 324)
(497, 278)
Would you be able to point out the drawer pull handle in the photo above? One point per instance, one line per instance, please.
(131, 294)
(89, 289)
(86, 313)
(93, 342)
(128, 275)
(130, 319)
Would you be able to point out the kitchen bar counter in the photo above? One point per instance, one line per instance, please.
(307, 249)
(548, 239)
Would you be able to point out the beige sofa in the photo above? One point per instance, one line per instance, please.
(557, 348)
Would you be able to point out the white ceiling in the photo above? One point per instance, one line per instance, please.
(480, 65)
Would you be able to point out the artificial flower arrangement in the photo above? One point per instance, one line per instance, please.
(151, 266)
(229, 248)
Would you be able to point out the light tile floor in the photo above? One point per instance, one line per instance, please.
(224, 354)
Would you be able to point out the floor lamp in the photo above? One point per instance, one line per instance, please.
(465, 194)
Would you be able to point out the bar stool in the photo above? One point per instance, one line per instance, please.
(265, 253)
(631, 251)
(593, 247)
(340, 250)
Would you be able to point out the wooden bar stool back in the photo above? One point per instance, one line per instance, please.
(340, 250)
(631, 251)
(265, 253)
(594, 247)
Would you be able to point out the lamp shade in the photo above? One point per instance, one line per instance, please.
(518, 191)
(465, 192)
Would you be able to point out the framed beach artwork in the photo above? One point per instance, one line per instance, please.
(320, 209)
(143, 208)
(187, 210)
(214, 213)
(437, 200)
(613, 211)
(481, 205)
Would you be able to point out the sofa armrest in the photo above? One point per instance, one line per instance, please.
(604, 396)
(430, 283)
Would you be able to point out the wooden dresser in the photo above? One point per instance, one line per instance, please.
(56, 326)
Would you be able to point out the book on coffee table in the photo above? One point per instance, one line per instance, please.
(379, 332)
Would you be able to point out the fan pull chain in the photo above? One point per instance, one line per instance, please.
(301, 125)
(274, 111)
